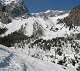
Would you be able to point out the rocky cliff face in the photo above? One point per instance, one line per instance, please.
(73, 20)
(11, 9)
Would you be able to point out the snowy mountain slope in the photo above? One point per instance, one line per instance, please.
(46, 24)
(46, 21)
(17, 60)
(49, 26)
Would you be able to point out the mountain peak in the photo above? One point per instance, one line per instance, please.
(6, 2)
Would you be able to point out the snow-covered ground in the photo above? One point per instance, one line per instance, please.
(17, 60)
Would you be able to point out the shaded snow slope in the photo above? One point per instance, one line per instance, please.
(17, 60)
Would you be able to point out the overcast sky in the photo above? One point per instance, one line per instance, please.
(42, 5)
